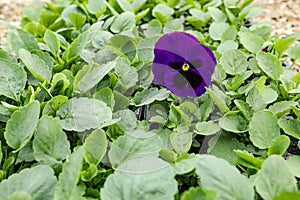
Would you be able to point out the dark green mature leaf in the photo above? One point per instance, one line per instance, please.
(234, 62)
(83, 114)
(95, 146)
(38, 182)
(270, 64)
(216, 174)
(50, 142)
(124, 22)
(263, 129)
(142, 178)
(18, 39)
(19, 129)
(133, 145)
(274, 178)
(66, 187)
(12, 79)
(290, 127)
(148, 96)
(39, 69)
(90, 75)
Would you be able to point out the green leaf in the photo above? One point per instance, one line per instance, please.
(290, 127)
(217, 14)
(18, 39)
(95, 147)
(294, 52)
(219, 98)
(216, 174)
(125, 5)
(126, 73)
(217, 29)
(226, 46)
(274, 178)
(128, 118)
(199, 194)
(162, 12)
(106, 95)
(37, 67)
(90, 75)
(234, 62)
(143, 178)
(245, 109)
(76, 47)
(252, 42)
(53, 105)
(153, 29)
(248, 160)
(137, 144)
(287, 196)
(12, 78)
(95, 5)
(19, 129)
(83, 114)
(77, 20)
(270, 65)
(38, 182)
(66, 187)
(52, 41)
(279, 145)
(181, 142)
(145, 49)
(283, 44)
(121, 101)
(229, 34)
(223, 146)
(148, 96)
(293, 163)
(282, 107)
(173, 25)
(207, 128)
(50, 142)
(263, 129)
(186, 163)
(233, 122)
(124, 22)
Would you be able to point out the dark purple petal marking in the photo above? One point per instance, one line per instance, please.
(183, 64)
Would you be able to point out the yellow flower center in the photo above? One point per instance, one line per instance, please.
(185, 67)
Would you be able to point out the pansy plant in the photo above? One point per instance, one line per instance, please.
(182, 64)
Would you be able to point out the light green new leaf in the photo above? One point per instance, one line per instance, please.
(37, 67)
(186, 163)
(270, 64)
(199, 194)
(217, 174)
(173, 25)
(234, 62)
(18, 39)
(90, 75)
(53, 105)
(248, 160)
(294, 52)
(38, 182)
(282, 107)
(290, 127)
(77, 20)
(274, 178)
(148, 96)
(83, 114)
(95, 5)
(219, 98)
(95, 147)
(181, 142)
(12, 78)
(217, 14)
(106, 95)
(279, 145)
(124, 22)
(263, 129)
(287, 196)
(136, 144)
(125, 5)
(21, 125)
(252, 42)
(283, 44)
(142, 178)
(52, 41)
(50, 142)
(162, 12)
(66, 187)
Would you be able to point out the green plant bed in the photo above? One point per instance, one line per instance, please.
(83, 118)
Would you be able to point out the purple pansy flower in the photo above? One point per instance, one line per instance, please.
(182, 64)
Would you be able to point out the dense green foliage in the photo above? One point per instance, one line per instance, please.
(81, 118)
